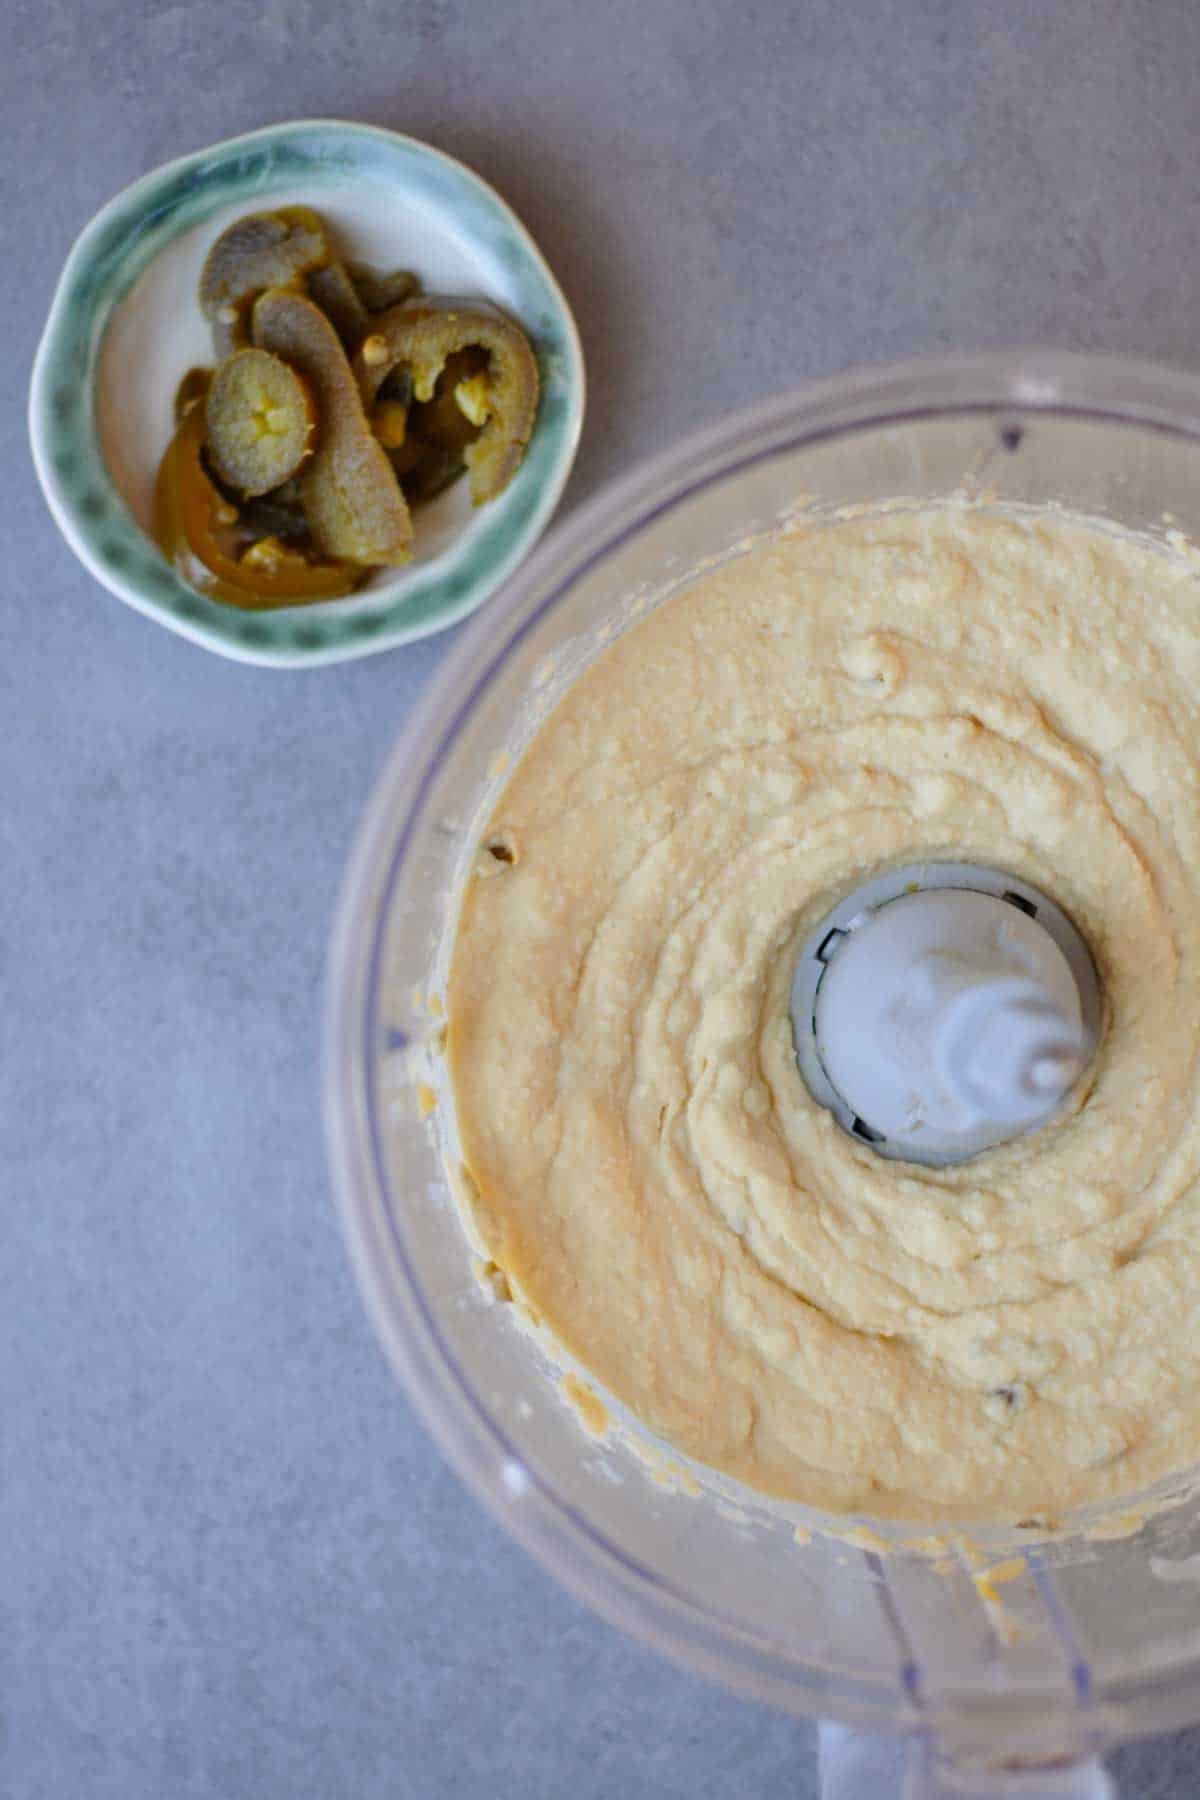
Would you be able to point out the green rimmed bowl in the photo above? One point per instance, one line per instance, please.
(124, 327)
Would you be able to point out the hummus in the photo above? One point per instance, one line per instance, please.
(1018, 1334)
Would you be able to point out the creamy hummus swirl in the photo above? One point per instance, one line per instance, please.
(1017, 1334)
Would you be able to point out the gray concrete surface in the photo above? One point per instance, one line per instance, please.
(231, 1563)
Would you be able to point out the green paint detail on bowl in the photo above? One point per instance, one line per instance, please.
(115, 249)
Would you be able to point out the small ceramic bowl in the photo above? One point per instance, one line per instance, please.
(124, 327)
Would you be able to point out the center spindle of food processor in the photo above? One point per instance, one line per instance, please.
(944, 1008)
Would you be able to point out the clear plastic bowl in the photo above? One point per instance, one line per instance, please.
(1093, 1638)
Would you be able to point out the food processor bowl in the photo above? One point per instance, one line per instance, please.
(1010, 1657)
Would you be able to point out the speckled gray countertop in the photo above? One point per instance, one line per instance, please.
(231, 1563)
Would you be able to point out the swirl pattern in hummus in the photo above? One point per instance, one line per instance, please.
(1017, 1334)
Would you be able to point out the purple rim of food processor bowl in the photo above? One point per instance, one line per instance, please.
(1004, 385)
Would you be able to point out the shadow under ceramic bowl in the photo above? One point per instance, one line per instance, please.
(124, 327)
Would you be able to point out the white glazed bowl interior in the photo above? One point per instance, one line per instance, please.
(157, 334)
